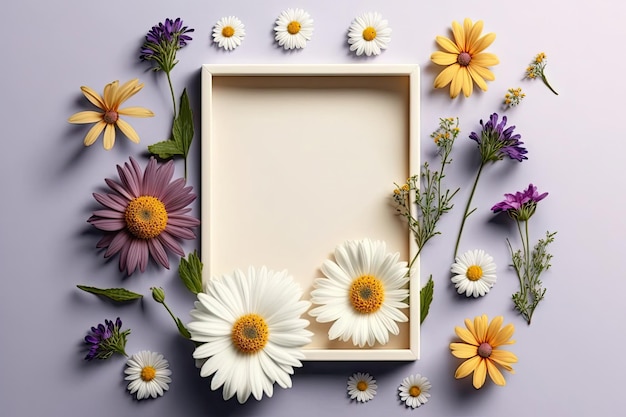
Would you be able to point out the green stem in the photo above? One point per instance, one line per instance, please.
(545, 81)
(467, 209)
(169, 81)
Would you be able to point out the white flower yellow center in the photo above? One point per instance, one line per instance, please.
(294, 27)
(146, 217)
(250, 333)
(367, 294)
(415, 391)
(474, 273)
(369, 33)
(228, 31)
(361, 385)
(148, 373)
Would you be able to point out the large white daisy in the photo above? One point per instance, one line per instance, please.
(363, 292)
(148, 374)
(249, 330)
(294, 27)
(361, 387)
(475, 273)
(369, 33)
(229, 32)
(414, 390)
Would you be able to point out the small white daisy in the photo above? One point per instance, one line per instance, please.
(363, 292)
(148, 374)
(229, 32)
(294, 27)
(475, 273)
(414, 390)
(361, 387)
(369, 34)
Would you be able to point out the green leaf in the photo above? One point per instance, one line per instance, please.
(182, 131)
(190, 272)
(182, 329)
(165, 149)
(115, 294)
(426, 297)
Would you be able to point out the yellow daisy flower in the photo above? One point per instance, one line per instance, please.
(465, 61)
(479, 346)
(109, 117)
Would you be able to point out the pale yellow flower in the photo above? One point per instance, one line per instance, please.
(480, 341)
(109, 117)
(465, 61)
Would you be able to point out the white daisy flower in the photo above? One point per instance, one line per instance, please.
(362, 293)
(475, 273)
(228, 32)
(414, 390)
(148, 374)
(369, 34)
(294, 27)
(250, 331)
(361, 387)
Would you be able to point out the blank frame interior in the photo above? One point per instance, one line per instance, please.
(298, 159)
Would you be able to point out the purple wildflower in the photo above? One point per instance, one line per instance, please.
(145, 215)
(495, 142)
(520, 205)
(106, 339)
(162, 42)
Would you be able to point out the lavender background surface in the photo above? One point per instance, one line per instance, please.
(568, 358)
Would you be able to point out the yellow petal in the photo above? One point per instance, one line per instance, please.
(467, 29)
(473, 34)
(93, 97)
(128, 130)
(483, 72)
(480, 374)
(447, 45)
(467, 367)
(482, 43)
(94, 132)
(480, 324)
(503, 336)
(463, 350)
(109, 137)
(135, 112)
(457, 83)
(128, 90)
(493, 329)
(110, 90)
(459, 36)
(477, 78)
(495, 374)
(466, 336)
(503, 357)
(485, 59)
(85, 117)
(443, 58)
(446, 75)
(468, 85)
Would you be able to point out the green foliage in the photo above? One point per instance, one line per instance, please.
(426, 298)
(190, 272)
(115, 294)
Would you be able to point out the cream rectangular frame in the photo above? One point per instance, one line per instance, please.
(283, 146)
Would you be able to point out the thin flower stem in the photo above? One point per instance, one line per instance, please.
(467, 209)
(545, 81)
(169, 81)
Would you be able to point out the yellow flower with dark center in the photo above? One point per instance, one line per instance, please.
(479, 346)
(109, 117)
(464, 59)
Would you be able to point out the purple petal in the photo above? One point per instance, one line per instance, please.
(158, 252)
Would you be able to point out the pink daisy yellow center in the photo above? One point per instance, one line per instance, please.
(146, 217)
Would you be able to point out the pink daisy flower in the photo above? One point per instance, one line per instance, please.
(145, 215)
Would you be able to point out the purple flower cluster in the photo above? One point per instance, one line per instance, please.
(106, 339)
(496, 141)
(162, 42)
(520, 205)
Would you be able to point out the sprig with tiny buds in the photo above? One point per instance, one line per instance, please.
(536, 69)
(513, 97)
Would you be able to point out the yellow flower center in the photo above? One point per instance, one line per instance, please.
(415, 391)
(148, 373)
(294, 27)
(474, 273)
(367, 294)
(110, 116)
(145, 217)
(250, 333)
(484, 350)
(361, 385)
(464, 59)
(369, 33)
(228, 31)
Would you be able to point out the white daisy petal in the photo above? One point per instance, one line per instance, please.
(475, 273)
(361, 387)
(369, 34)
(414, 390)
(294, 28)
(148, 374)
(228, 33)
(262, 311)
